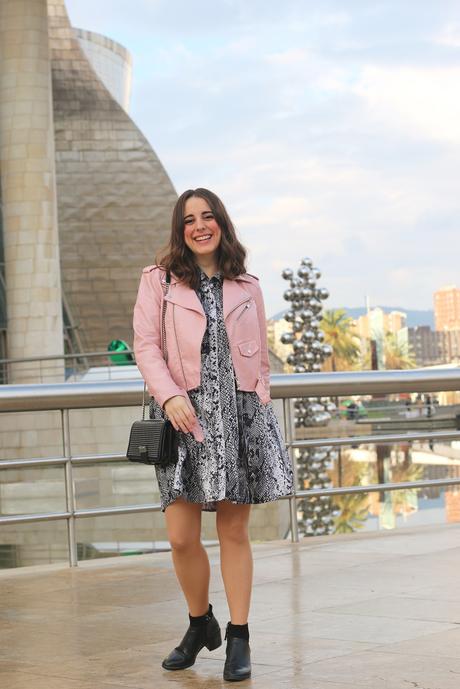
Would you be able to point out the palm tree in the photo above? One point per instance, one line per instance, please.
(354, 508)
(339, 333)
(404, 501)
(397, 355)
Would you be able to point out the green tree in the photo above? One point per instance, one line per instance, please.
(405, 500)
(354, 508)
(339, 333)
(397, 355)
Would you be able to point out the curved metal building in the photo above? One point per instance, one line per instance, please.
(101, 179)
(114, 196)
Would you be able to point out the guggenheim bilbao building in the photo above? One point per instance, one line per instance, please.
(85, 201)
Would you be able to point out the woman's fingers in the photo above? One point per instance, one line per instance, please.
(181, 421)
(182, 417)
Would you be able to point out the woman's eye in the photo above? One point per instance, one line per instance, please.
(188, 221)
(208, 216)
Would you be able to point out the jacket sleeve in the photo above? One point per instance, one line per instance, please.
(147, 341)
(264, 360)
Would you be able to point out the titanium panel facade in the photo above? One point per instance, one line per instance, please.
(111, 62)
(114, 196)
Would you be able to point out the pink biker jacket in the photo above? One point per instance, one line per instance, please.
(185, 325)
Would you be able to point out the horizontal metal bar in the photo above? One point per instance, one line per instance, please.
(124, 509)
(378, 487)
(38, 517)
(33, 462)
(383, 439)
(54, 357)
(364, 382)
(92, 512)
(298, 444)
(98, 459)
(59, 461)
(52, 396)
(138, 509)
(56, 396)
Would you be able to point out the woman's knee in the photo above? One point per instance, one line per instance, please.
(183, 522)
(232, 531)
(183, 542)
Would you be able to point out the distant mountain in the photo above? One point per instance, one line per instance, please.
(414, 317)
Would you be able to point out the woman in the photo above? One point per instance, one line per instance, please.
(215, 389)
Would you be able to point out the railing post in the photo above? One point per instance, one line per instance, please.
(69, 489)
(288, 434)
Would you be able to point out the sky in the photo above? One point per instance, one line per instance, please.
(329, 130)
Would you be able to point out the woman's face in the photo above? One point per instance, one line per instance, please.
(202, 234)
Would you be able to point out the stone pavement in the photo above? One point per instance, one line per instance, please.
(374, 610)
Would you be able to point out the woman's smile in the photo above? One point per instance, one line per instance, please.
(203, 238)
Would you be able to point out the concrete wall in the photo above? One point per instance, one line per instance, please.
(28, 189)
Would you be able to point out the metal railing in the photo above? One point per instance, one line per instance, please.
(75, 364)
(65, 397)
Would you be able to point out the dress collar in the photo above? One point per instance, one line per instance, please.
(217, 277)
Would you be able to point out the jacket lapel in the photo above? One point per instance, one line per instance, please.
(183, 296)
(233, 293)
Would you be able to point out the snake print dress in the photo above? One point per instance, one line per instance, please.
(243, 457)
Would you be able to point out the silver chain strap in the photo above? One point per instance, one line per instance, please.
(163, 340)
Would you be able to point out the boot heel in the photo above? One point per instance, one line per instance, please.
(214, 641)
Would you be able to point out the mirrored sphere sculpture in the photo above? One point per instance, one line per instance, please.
(309, 351)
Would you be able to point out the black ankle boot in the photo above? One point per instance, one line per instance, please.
(238, 662)
(196, 637)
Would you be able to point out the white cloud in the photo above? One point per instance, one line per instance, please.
(326, 133)
(449, 35)
(424, 101)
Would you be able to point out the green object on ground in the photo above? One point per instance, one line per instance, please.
(124, 356)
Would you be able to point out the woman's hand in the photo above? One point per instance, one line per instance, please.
(181, 415)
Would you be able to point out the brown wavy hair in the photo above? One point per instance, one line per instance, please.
(180, 260)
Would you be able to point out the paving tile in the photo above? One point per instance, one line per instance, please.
(133, 668)
(446, 592)
(375, 630)
(441, 644)
(370, 610)
(270, 649)
(24, 680)
(402, 607)
(377, 670)
(300, 680)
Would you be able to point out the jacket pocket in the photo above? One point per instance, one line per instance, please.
(248, 348)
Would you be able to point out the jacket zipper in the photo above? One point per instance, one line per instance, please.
(246, 307)
(239, 304)
(178, 348)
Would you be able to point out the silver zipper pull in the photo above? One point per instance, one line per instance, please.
(246, 306)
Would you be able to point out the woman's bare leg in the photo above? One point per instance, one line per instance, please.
(191, 564)
(235, 557)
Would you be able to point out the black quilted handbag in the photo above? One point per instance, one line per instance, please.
(153, 441)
